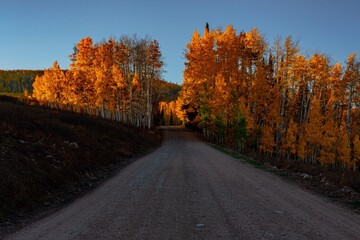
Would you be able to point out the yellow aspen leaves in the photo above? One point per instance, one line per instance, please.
(303, 108)
(117, 79)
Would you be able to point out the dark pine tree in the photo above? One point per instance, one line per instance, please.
(207, 27)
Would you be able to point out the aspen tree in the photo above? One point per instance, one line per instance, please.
(50, 87)
(327, 154)
(320, 74)
(83, 75)
(267, 141)
(351, 80)
(356, 144)
(313, 132)
(343, 148)
(103, 75)
(338, 94)
(119, 88)
(300, 103)
(290, 140)
(155, 64)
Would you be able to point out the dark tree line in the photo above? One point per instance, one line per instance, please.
(18, 81)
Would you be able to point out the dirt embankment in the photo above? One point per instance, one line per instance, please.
(48, 157)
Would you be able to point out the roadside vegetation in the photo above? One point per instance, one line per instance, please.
(252, 96)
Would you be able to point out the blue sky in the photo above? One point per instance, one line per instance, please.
(35, 33)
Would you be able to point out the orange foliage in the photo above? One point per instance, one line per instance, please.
(294, 106)
(168, 112)
(114, 79)
(50, 88)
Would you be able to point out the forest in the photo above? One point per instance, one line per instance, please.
(238, 89)
(18, 81)
(119, 80)
(48, 87)
(250, 95)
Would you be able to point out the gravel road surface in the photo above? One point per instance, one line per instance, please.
(188, 190)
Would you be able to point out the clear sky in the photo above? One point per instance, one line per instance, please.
(35, 33)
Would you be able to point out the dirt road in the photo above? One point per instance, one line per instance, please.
(188, 190)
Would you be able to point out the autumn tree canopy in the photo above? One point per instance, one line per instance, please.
(241, 91)
(113, 79)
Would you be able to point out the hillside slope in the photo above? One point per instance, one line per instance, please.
(47, 155)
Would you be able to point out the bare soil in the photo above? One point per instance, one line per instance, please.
(188, 190)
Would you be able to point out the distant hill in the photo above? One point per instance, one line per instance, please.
(16, 81)
(168, 91)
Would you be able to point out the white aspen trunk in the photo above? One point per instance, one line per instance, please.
(349, 118)
(117, 108)
(302, 112)
(103, 109)
(130, 109)
(148, 107)
(138, 124)
(118, 116)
